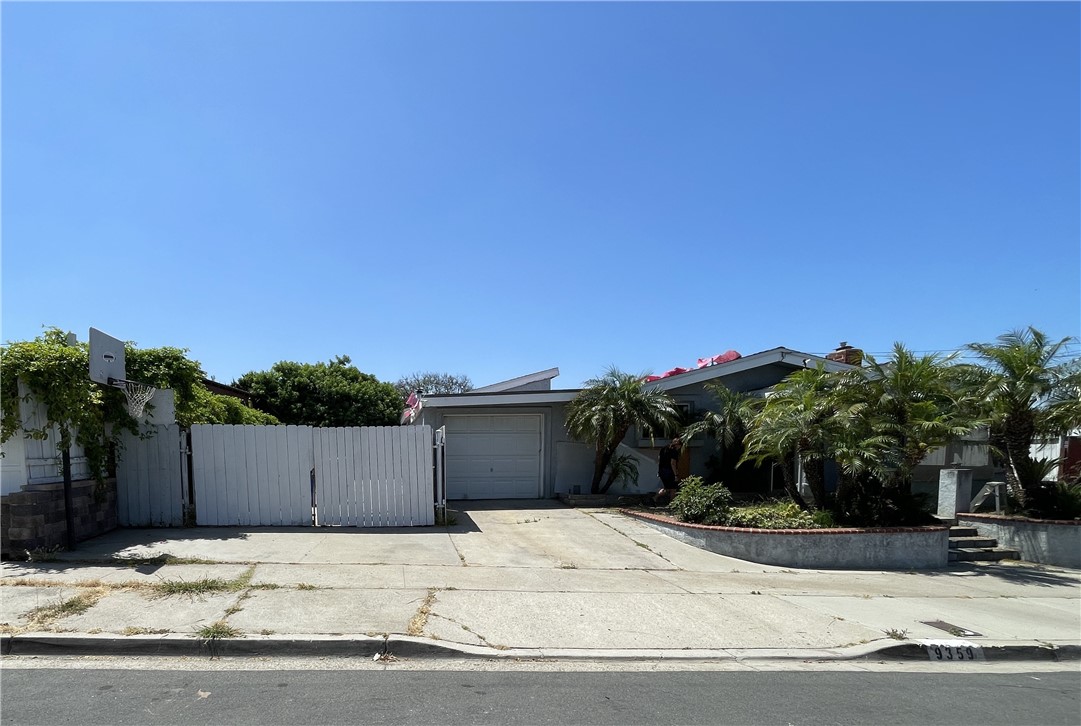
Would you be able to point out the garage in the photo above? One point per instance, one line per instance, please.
(495, 456)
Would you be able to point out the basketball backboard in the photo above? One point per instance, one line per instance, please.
(106, 358)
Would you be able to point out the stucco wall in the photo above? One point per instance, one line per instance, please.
(1049, 542)
(912, 548)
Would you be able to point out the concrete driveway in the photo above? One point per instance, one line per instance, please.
(528, 574)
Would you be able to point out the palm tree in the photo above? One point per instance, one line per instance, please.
(1026, 394)
(728, 423)
(603, 412)
(796, 424)
(895, 413)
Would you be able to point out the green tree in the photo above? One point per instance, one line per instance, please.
(1027, 392)
(727, 423)
(606, 409)
(323, 394)
(430, 382)
(897, 412)
(797, 424)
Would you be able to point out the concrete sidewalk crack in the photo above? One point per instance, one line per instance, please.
(643, 545)
(420, 619)
(475, 634)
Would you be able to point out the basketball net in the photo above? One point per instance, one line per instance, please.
(138, 395)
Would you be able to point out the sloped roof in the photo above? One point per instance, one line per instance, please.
(488, 396)
(529, 379)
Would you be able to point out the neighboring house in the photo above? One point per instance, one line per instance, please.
(509, 440)
(232, 391)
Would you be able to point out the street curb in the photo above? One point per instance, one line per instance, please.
(402, 646)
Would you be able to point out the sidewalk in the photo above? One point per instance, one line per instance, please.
(546, 581)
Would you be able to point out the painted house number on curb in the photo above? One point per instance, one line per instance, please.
(952, 650)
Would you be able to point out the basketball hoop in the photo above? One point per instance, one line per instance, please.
(138, 395)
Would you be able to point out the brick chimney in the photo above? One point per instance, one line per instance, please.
(845, 353)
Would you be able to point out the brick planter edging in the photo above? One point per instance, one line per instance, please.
(1017, 518)
(880, 548)
(755, 530)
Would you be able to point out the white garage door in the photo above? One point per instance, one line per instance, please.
(493, 457)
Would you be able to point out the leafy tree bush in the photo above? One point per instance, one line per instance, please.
(430, 382)
(771, 515)
(213, 408)
(323, 394)
(94, 416)
(56, 374)
(701, 503)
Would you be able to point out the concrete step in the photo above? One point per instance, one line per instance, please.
(956, 531)
(973, 542)
(980, 554)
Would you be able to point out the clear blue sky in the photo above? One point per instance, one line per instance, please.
(493, 189)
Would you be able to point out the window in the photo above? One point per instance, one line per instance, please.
(686, 412)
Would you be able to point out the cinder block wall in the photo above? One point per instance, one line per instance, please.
(34, 518)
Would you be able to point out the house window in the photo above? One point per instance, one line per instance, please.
(686, 414)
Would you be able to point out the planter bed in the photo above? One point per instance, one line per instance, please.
(893, 548)
(1047, 541)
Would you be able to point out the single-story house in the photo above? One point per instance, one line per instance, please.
(509, 440)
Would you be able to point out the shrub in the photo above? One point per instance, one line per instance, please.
(1052, 500)
(701, 503)
(771, 515)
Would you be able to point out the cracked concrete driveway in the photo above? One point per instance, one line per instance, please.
(528, 574)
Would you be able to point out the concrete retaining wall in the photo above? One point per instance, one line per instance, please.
(35, 517)
(1049, 542)
(900, 548)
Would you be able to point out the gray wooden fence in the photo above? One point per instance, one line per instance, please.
(300, 475)
(151, 478)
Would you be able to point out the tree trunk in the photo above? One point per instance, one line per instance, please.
(69, 500)
(815, 470)
(598, 471)
(788, 465)
(1017, 438)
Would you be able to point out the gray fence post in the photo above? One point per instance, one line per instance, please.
(954, 492)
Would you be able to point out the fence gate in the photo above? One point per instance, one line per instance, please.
(301, 475)
(151, 478)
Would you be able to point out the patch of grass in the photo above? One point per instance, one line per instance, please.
(528, 521)
(568, 566)
(64, 608)
(266, 586)
(896, 634)
(131, 630)
(42, 554)
(218, 630)
(306, 586)
(266, 631)
(204, 586)
(444, 518)
(420, 619)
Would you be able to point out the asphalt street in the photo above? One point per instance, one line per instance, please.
(799, 698)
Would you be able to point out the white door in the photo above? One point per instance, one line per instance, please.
(493, 457)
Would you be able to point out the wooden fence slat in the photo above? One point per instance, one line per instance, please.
(261, 476)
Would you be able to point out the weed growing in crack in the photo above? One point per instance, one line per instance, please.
(420, 619)
(217, 631)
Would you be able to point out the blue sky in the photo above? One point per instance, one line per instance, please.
(492, 189)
